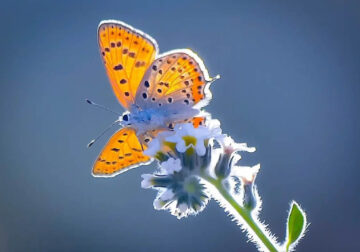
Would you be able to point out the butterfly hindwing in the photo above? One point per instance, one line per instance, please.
(175, 78)
(127, 53)
(198, 121)
(122, 152)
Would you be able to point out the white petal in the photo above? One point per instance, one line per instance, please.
(180, 146)
(200, 148)
(183, 208)
(146, 182)
(153, 147)
(158, 204)
(171, 165)
(246, 173)
(230, 145)
(167, 195)
(244, 147)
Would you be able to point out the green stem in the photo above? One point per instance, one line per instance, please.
(243, 212)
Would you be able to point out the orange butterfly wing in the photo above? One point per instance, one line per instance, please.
(178, 77)
(198, 121)
(127, 54)
(122, 152)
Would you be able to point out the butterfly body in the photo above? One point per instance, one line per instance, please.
(149, 119)
(157, 91)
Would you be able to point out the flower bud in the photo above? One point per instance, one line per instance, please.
(223, 165)
(249, 200)
(247, 176)
(228, 157)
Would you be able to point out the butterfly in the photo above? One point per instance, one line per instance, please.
(156, 90)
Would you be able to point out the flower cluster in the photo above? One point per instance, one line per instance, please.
(187, 156)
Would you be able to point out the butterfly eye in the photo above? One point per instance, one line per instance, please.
(125, 118)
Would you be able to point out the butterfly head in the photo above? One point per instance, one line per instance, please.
(125, 119)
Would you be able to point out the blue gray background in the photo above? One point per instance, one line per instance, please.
(290, 86)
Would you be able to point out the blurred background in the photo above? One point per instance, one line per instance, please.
(290, 87)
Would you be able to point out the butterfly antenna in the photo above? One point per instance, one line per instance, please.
(215, 78)
(102, 133)
(102, 107)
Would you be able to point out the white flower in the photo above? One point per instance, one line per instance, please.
(230, 146)
(246, 173)
(155, 145)
(248, 192)
(214, 128)
(181, 193)
(228, 155)
(185, 136)
(199, 135)
(171, 165)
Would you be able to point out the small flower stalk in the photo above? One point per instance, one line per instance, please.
(200, 163)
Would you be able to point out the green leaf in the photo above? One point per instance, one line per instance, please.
(296, 225)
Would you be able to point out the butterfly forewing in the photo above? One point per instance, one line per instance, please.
(127, 53)
(122, 152)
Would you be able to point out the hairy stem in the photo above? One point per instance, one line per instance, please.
(244, 213)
